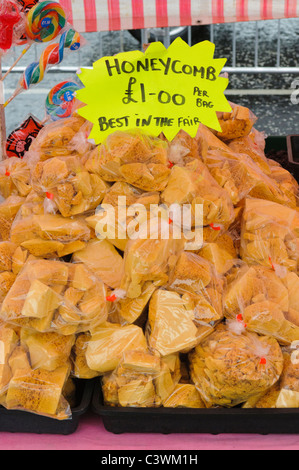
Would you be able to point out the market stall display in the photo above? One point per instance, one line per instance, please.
(139, 315)
(162, 325)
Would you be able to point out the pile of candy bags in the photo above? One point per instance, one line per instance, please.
(163, 325)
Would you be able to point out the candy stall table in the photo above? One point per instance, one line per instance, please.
(91, 435)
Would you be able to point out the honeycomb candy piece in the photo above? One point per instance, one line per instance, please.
(49, 272)
(247, 146)
(183, 148)
(141, 362)
(134, 147)
(80, 367)
(42, 248)
(128, 310)
(49, 350)
(150, 177)
(193, 184)
(41, 301)
(6, 281)
(191, 273)
(184, 396)
(137, 393)
(103, 260)
(219, 255)
(19, 258)
(8, 342)
(108, 343)
(8, 211)
(19, 359)
(171, 326)
(46, 235)
(38, 391)
(266, 318)
(93, 306)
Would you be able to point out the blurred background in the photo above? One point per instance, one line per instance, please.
(262, 66)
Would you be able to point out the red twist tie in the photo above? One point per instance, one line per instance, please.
(170, 221)
(215, 227)
(111, 298)
(239, 318)
(272, 265)
(170, 164)
(7, 173)
(263, 361)
(50, 195)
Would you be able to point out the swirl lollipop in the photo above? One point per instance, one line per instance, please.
(52, 55)
(45, 21)
(60, 101)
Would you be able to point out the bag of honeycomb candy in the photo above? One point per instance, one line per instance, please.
(232, 365)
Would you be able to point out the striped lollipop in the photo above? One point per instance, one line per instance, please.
(45, 21)
(61, 99)
(52, 55)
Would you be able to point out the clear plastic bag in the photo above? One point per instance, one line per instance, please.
(48, 235)
(141, 380)
(285, 393)
(64, 182)
(193, 184)
(269, 235)
(241, 176)
(61, 139)
(264, 302)
(27, 382)
(149, 259)
(53, 296)
(122, 198)
(134, 158)
(14, 177)
(247, 145)
(237, 123)
(232, 365)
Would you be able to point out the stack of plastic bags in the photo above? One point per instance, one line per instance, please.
(163, 324)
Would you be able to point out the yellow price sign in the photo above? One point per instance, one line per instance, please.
(160, 90)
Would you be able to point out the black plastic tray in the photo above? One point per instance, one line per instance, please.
(119, 420)
(26, 422)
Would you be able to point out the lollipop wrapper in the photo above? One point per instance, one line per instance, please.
(9, 17)
(19, 141)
